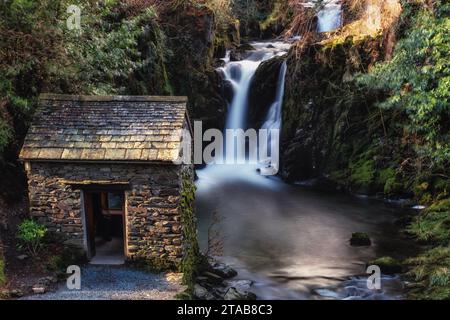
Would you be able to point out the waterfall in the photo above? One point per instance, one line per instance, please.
(239, 74)
(273, 121)
(330, 17)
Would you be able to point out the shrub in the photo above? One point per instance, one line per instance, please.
(30, 235)
(417, 81)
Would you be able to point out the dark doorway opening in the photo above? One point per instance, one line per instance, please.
(105, 226)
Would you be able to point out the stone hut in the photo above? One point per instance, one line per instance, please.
(101, 172)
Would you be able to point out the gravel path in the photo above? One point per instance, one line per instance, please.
(117, 283)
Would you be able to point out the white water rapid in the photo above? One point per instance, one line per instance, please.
(329, 15)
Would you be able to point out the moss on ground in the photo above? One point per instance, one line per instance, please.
(362, 176)
(431, 269)
(431, 273)
(432, 225)
(2, 271)
(388, 265)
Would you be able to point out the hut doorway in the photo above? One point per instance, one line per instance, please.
(105, 226)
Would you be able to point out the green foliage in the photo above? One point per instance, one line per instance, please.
(108, 52)
(432, 273)
(5, 134)
(30, 235)
(417, 79)
(69, 255)
(362, 173)
(252, 13)
(433, 224)
(38, 53)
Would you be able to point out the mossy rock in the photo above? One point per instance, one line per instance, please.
(388, 265)
(359, 239)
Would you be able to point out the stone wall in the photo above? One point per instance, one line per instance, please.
(152, 203)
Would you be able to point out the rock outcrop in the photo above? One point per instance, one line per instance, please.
(325, 117)
(263, 90)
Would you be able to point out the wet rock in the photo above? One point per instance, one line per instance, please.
(360, 239)
(16, 293)
(263, 90)
(239, 284)
(242, 52)
(235, 294)
(47, 280)
(223, 270)
(227, 91)
(212, 278)
(388, 265)
(202, 293)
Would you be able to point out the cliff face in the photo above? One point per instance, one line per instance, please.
(325, 119)
(262, 91)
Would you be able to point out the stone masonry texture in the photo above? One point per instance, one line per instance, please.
(153, 229)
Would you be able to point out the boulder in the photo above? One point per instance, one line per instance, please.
(360, 239)
(212, 278)
(16, 293)
(388, 265)
(202, 293)
(263, 91)
(235, 294)
(239, 284)
(242, 52)
(223, 270)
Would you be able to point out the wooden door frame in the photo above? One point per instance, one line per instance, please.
(87, 197)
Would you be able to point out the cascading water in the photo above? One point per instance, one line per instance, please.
(239, 75)
(273, 121)
(330, 17)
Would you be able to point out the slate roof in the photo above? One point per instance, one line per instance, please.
(105, 128)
